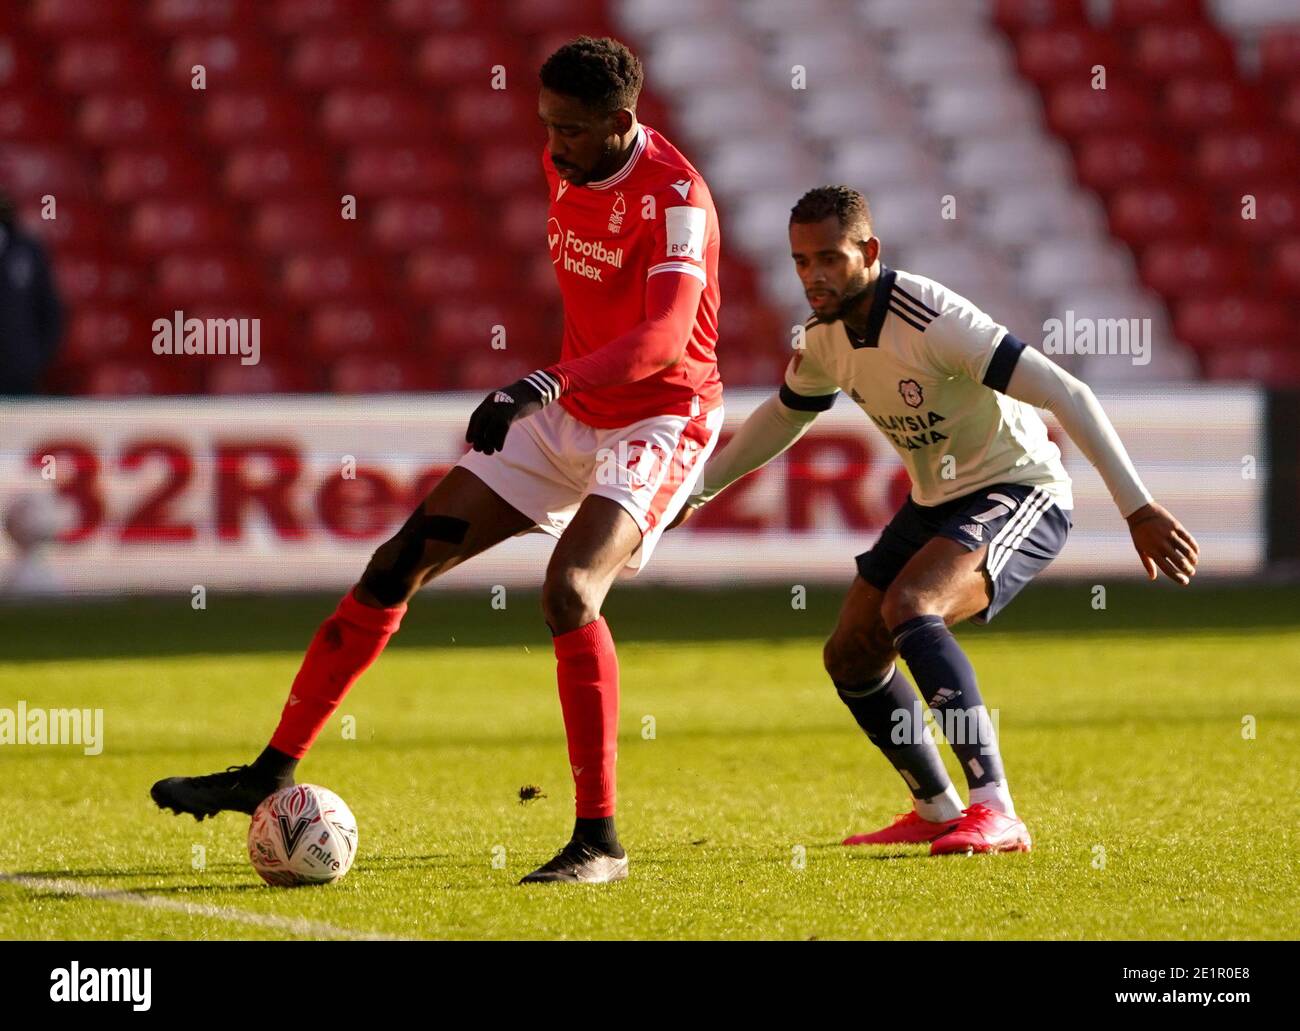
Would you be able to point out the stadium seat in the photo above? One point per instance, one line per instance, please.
(299, 223)
(1075, 109)
(206, 276)
(509, 166)
(30, 118)
(1142, 214)
(1184, 267)
(1198, 103)
(1135, 14)
(86, 276)
(440, 272)
(324, 61)
(116, 119)
(228, 60)
(478, 112)
(176, 17)
(1279, 52)
(361, 115)
(252, 115)
(338, 329)
(141, 377)
(1241, 158)
(455, 58)
(80, 221)
(401, 169)
(20, 69)
(1186, 48)
(65, 17)
(89, 63)
(156, 226)
(1284, 267)
(97, 332)
(392, 373)
(269, 376)
(138, 173)
(311, 277)
(1070, 51)
(1277, 214)
(268, 170)
(1273, 365)
(37, 169)
(1230, 319)
(293, 17)
(1014, 16)
(403, 223)
(1109, 161)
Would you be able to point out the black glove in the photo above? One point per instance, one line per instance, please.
(491, 419)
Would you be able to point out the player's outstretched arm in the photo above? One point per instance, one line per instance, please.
(771, 429)
(1161, 540)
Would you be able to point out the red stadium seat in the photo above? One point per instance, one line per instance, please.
(105, 331)
(436, 273)
(327, 60)
(27, 117)
(455, 58)
(521, 220)
(1143, 214)
(104, 63)
(484, 370)
(1109, 161)
(1134, 14)
(156, 226)
(175, 17)
(80, 223)
(142, 377)
(1065, 52)
(229, 376)
(468, 325)
(37, 169)
(1164, 51)
(438, 15)
(1277, 214)
(1231, 319)
(1289, 108)
(86, 276)
(297, 16)
(1238, 158)
(247, 116)
(206, 277)
(403, 223)
(228, 60)
(1195, 103)
(482, 113)
(300, 223)
(384, 374)
(567, 17)
(323, 275)
(1014, 16)
(1284, 266)
(266, 170)
(1180, 268)
(133, 174)
(20, 69)
(351, 115)
(389, 169)
(65, 17)
(1279, 52)
(509, 165)
(338, 329)
(115, 119)
(1272, 365)
(1075, 109)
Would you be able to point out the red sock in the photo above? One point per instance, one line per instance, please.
(587, 668)
(343, 648)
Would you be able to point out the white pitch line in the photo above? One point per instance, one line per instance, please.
(291, 925)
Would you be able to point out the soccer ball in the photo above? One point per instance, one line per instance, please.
(303, 834)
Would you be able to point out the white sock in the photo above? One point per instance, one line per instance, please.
(995, 796)
(940, 808)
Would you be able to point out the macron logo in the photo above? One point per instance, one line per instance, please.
(559, 191)
(682, 186)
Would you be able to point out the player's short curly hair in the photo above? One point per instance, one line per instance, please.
(840, 202)
(602, 73)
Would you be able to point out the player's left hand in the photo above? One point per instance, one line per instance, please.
(1163, 543)
(491, 419)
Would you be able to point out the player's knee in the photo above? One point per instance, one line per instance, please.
(401, 564)
(904, 601)
(861, 655)
(568, 595)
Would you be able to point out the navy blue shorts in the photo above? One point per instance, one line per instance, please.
(1022, 526)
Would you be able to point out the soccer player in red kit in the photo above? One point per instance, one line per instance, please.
(601, 449)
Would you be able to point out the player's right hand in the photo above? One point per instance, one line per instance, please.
(491, 419)
(1163, 543)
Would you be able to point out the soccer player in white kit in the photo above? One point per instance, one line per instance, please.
(954, 392)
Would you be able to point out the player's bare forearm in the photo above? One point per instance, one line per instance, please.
(1163, 543)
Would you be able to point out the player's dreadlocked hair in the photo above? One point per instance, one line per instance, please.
(840, 202)
(602, 73)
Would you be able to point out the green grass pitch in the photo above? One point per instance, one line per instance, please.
(1156, 812)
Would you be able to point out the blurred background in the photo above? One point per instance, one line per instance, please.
(195, 155)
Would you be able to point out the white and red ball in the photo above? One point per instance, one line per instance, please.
(302, 834)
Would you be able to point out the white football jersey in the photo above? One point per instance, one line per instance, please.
(930, 372)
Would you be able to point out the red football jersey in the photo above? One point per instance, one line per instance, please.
(654, 216)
